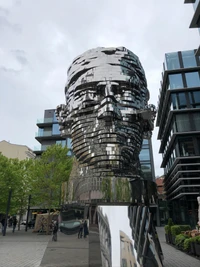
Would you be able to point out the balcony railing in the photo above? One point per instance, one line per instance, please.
(45, 120)
(41, 148)
(45, 133)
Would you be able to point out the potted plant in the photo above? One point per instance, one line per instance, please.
(179, 241)
(168, 235)
(175, 230)
(197, 245)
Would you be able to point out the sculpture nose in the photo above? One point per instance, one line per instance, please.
(108, 106)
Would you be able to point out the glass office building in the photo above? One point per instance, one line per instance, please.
(49, 134)
(179, 131)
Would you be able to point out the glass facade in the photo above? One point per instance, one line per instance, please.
(192, 79)
(145, 160)
(194, 98)
(55, 129)
(189, 59)
(172, 61)
(186, 147)
(61, 142)
(175, 81)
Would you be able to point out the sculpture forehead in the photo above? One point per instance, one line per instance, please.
(103, 64)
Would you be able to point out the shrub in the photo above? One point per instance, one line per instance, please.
(175, 230)
(196, 239)
(187, 242)
(185, 228)
(179, 241)
(170, 222)
(167, 229)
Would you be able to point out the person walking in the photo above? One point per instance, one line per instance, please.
(85, 227)
(55, 231)
(3, 224)
(14, 223)
(80, 233)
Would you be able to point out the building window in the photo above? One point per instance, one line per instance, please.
(189, 59)
(179, 101)
(194, 98)
(144, 154)
(54, 117)
(175, 81)
(172, 61)
(186, 147)
(192, 79)
(124, 263)
(122, 245)
(196, 121)
(183, 122)
(182, 101)
(61, 142)
(55, 128)
(69, 143)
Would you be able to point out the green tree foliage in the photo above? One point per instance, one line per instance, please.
(15, 175)
(49, 173)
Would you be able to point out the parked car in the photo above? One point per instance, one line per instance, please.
(23, 222)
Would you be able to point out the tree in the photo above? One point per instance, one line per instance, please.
(15, 176)
(49, 172)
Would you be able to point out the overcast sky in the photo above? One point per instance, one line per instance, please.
(40, 38)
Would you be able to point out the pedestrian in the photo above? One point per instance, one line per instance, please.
(55, 231)
(80, 233)
(85, 227)
(14, 223)
(10, 222)
(3, 224)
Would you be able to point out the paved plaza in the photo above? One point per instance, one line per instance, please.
(22, 249)
(174, 257)
(27, 249)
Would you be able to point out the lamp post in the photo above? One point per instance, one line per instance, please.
(7, 211)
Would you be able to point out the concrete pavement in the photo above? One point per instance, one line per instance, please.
(27, 249)
(22, 249)
(174, 257)
(67, 251)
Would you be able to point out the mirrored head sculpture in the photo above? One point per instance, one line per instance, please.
(107, 116)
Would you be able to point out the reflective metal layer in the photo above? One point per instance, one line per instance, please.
(107, 116)
(113, 235)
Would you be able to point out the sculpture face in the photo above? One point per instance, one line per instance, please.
(105, 94)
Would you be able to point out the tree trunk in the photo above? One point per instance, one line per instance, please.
(20, 217)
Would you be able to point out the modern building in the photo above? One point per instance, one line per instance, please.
(162, 203)
(195, 23)
(105, 239)
(15, 151)
(127, 257)
(179, 131)
(146, 160)
(49, 133)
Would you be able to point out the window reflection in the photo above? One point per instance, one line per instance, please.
(192, 79)
(194, 98)
(172, 61)
(189, 59)
(186, 147)
(175, 81)
(55, 129)
(183, 122)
